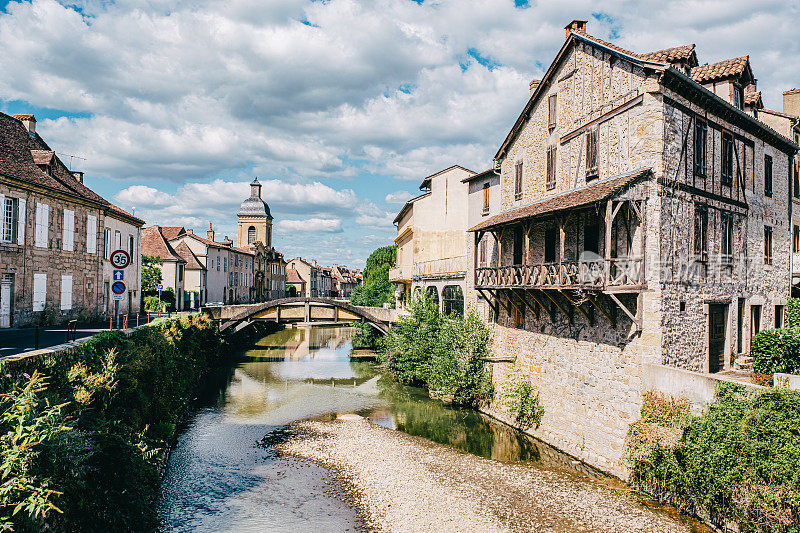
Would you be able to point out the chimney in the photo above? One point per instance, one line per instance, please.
(190, 231)
(576, 25)
(227, 241)
(210, 232)
(78, 175)
(255, 189)
(29, 121)
(791, 102)
(534, 84)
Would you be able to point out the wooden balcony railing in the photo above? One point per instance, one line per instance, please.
(596, 274)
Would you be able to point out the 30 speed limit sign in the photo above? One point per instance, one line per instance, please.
(120, 259)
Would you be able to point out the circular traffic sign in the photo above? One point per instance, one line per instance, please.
(120, 259)
(118, 287)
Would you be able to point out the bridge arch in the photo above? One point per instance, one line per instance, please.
(307, 309)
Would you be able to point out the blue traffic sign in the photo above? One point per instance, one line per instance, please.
(161, 287)
(119, 275)
(118, 287)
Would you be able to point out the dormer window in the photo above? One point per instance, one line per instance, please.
(738, 97)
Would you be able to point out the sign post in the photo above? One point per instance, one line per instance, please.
(119, 260)
(160, 288)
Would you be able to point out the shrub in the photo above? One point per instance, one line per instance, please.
(376, 289)
(735, 463)
(776, 350)
(521, 399)
(152, 303)
(793, 312)
(412, 341)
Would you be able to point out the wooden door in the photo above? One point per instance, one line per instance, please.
(716, 337)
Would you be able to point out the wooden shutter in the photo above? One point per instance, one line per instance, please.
(591, 153)
(2, 216)
(66, 292)
(42, 222)
(551, 167)
(518, 181)
(91, 234)
(68, 232)
(39, 291)
(21, 204)
(551, 122)
(485, 197)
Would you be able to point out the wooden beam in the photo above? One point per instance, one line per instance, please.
(498, 300)
(607, 236)
(566, 314)
(602, 311)
(578, 307)
(525, 302)
(636, 320)
(544, 307)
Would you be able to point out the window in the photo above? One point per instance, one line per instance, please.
(217, 263)
(9, 219)
(453, 300)
(518, 181)
(482, 252)
(727, 159)
(550, 240)
(767, 245)
(591, 154)
(778, 316)
(519, 236)
(68, 231)
(701, 232)
(591, 238)
(486, 198)
(251, 235)
(91, 234)
(117, 241)
(42, 225)
(434, 294)
(107, 244)
(796, 239)
(180, 272)
(726, 248)
(39, 291)
(700, 143)
(551, 117)
(66, 292)
(767, 175)
(738, 99)
(225, 264)
(755, 320)
(131, 247)
(551, 168)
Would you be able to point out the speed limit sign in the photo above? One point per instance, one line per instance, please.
(120, 259)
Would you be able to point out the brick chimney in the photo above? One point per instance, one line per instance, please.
(29, 121)
(791, 102)
(78, 175)
(533, 85)
(210, 232)
(576, 25)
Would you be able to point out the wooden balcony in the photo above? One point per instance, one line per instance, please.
(616, 274)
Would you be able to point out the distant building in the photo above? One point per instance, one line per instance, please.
(310, 276)
(345, 280)
(56, 236)
(155, 244)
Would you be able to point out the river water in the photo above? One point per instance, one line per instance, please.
(223, 474)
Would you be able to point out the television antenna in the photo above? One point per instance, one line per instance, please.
(71, 157)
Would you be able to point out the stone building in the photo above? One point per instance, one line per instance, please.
(194, 273)
(345, 281)
(54, 232)
(255, 220)
(213, 256)
(156, 243)
(431, 251)
(310, 276)
(642, 230)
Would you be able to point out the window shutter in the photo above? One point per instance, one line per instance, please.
(39, 291)
(68, 237)
(91, 234)
(42, 222)
(66, 292)
(21, 221)
(2, 215)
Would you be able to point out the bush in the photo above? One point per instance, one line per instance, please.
(776, 350)
(736, 463)
(521, 398)
(376, 289)
(445, 354)
(793, 312)
(152, 303)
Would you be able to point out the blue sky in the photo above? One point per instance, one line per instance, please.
(339, 107)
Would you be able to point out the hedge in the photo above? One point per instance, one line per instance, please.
(777, 350)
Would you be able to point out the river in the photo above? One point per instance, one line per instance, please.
(224, 475)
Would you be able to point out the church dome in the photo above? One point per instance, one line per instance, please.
(255, 206)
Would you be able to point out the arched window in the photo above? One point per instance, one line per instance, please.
(251, 235)
(434, 294)
(453, 299)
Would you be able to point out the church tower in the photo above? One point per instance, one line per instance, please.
(255, 221)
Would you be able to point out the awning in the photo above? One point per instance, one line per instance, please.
(588, 194)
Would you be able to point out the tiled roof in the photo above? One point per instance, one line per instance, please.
(192, 263)
(595, 192)
(752, 98)
(115, 209)
(207, 242)
(154, 244)
(17, 147)
(671, 55)
(243, 250)
(292, 276)
(728, 68)
(607, 44)
(172, 232)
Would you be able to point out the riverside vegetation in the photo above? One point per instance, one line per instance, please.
(84, 435)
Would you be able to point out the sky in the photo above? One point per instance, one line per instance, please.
(339, 107)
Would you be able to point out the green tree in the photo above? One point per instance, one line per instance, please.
(376, 289)
(151, 274)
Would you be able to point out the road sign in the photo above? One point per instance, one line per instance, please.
(118, 287)
(120, 259)
(119, 275)
(116, 297)
(161, 287)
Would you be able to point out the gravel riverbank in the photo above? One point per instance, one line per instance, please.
(404, 483)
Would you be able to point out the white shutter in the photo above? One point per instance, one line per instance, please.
(39, 291)
(91, 234)
(21, 221)
(42, 224)
(68, 240)
(66, 292)
(2, 215)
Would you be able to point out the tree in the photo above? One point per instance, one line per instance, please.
(151, 273)
(376, 289)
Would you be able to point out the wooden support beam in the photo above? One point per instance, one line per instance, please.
(525, 302)
(566, 313)
(499, 301)
(635, 319)
(544, 307)
(602, 311)
(578, 307)
(607, 244)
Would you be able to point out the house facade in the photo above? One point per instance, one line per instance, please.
(53, 234)
(642, 228)
(431, 250)
(309, 275)
(344, 280)
(155, 243)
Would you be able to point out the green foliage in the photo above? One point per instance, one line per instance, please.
(376, 290)
(152, 303)
(736, 463)
(446, 354)
(521, 398)
(776, 350)
(27, 422)
(151, 274)
(124, 397)
(367, 337)
(793, 312)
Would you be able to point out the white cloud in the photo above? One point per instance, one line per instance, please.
(398, 197)
(311, 225)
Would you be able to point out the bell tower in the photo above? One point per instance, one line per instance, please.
(255, 220)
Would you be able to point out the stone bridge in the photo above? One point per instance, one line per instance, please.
(301, 310)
